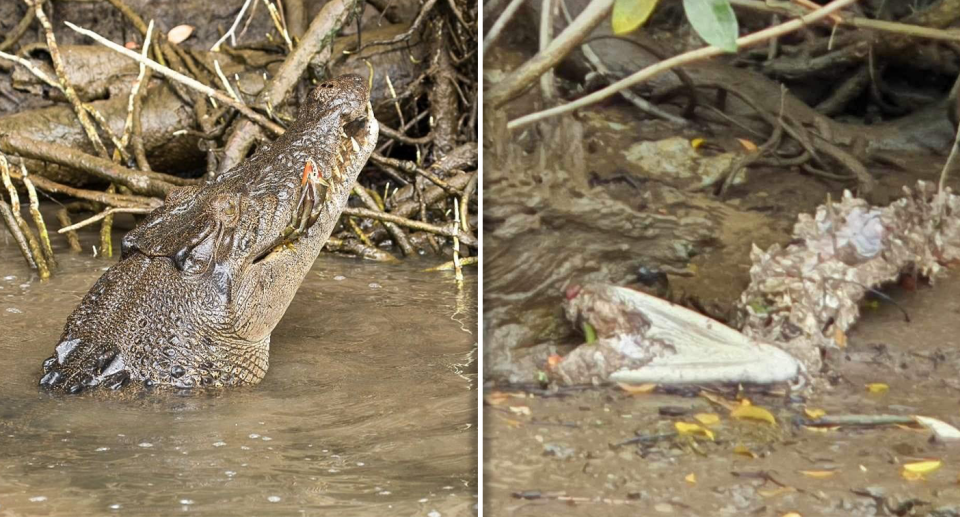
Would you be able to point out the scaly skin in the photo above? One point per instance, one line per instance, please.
(203, 281)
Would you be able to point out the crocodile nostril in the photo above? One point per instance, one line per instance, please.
(49, 363)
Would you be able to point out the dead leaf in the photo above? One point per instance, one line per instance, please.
(773, 492)
(819, 474)
(748, 145)
(520, 410)
(554, 360)
(691, 478)
(813, 413)
(179, 33)
(791, 514)
(637, 389)
(919, 469)
(131, 45)
(707, 418)
(726, 404)
(744, 451)
(694, 429)
(496, 398)
(839, 337)
(753, 413)
(877, 387)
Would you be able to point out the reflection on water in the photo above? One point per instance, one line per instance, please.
(369, 408)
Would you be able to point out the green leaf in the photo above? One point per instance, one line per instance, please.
(714, 21)
(589, 332)
(630, 14)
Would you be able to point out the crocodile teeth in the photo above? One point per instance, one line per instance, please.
(356, 146)
(343, 133)
(336, 170)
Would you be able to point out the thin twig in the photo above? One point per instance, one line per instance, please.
(38, 218)
(63, 215)
(31, 239)
(662, 66)
(231, 33)
(18, 236)
(501, 22)
(448, 231)
(68, 90)
(182, 79)
(102, 215)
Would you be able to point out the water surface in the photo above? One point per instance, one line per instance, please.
(368, 408)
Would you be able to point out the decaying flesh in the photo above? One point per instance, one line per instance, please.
(642, 338)
(204, 280)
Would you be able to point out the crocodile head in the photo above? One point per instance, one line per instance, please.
(203, 280)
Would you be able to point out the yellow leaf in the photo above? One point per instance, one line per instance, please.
(744, 451)
(819, 474)
(821, 429)
(637, 389)
(688, 428)
(753, 413)
(922, 467)
(877, 387)
(745, 402)
(691, 478)
(791, 514)
(707, 418)
(748, 145)
(696, 143)
(814, 413)
(628, 15)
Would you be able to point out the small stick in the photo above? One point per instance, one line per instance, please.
(514, 83)
(861, 420)
(182, 79)
(106, 229)
(225, 82)
(117, 200)
(458, 275)
(38, 218)
(63, 215)
(18, 31)
(106, 213)
(278, 23)
(401, 238)
(359, 249)
(411, 168)
(135, 91)
(410, 223)
(31, 239)
(233, 28)
(68, 90)
(18, 236)
(447, 266)
(359, 233)
(501, 22)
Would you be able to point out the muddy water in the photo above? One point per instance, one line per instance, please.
(369, 407)
(561, 446)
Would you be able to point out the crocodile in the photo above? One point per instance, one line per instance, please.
(204, 279)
